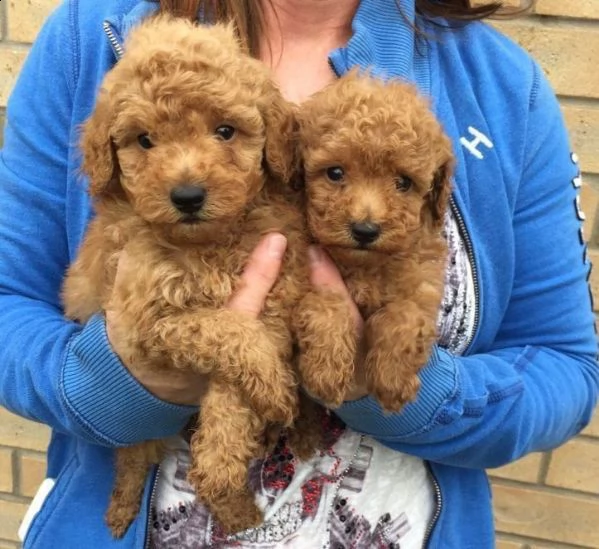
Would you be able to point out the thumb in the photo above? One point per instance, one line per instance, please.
(324, 273)
(259, 275)
(124, 266)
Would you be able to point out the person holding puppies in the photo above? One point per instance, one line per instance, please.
(514, 369)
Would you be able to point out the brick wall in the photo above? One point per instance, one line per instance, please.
(552, 500)
(543, 501)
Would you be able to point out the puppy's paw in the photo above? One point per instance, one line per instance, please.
(393, 394)
(280, 406)
(238, 513)
(327, 378)
(304, 441)
(393, 382)
(306, 437)
(329, 386)
(272, 437)
(119, 518)
(231, 503)
(393, 400)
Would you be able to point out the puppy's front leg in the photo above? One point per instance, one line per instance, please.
(238, 349)
(90, 274)
(327, 341)
(399, 338)
(229, 436)
(154, 321)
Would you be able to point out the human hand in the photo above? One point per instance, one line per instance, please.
(188, 387)
(325, 276)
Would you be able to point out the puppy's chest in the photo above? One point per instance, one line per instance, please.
(204, 281)
(370, 290)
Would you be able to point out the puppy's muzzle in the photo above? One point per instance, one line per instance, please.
(188, 199)
(365, 233)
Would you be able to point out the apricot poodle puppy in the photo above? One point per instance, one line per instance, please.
(376, 169)
(189, 157)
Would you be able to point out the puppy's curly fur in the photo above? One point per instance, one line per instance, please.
(186, 111)
(376, 169)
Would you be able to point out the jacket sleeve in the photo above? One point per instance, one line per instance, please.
(537, 384)
(52, 370)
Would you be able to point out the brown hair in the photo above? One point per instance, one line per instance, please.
(248, 18)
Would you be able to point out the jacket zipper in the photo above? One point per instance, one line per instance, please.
(155, 478)
(116, 45)
(438, 506)
(470, 251)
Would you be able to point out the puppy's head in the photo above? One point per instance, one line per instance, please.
(376, 166)
(187, 128)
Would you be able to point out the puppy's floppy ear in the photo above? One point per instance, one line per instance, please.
(100, 161)
(280, 150)
(437, 198)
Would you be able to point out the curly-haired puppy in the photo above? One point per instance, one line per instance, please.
(376, 169)
(189, 156)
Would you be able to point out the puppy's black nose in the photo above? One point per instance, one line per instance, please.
(188, 199)
(365, 233)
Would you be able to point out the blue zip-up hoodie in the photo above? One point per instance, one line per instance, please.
(528, 380)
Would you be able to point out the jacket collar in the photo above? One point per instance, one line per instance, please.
(384, 43)
(383, 40)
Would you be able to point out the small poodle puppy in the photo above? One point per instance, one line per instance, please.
(376, 167)
(189, 155)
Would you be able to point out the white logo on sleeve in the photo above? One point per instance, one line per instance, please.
(479, 139)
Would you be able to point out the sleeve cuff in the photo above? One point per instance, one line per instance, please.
(107, 400)
(439, 386)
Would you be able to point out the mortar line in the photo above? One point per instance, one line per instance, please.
(552, 21)
(4, 17)
(531, 541)
(16, 472)
(547, 489)
(544, 468)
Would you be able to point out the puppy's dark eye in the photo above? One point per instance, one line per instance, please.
(144, 141)
(335, 174)
(225, 132)
(403, 183)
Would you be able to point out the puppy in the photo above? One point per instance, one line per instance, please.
(376, 170)
(189, 156)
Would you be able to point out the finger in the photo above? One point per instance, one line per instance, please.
(324, 273)
(259, 275)
(124, 266)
